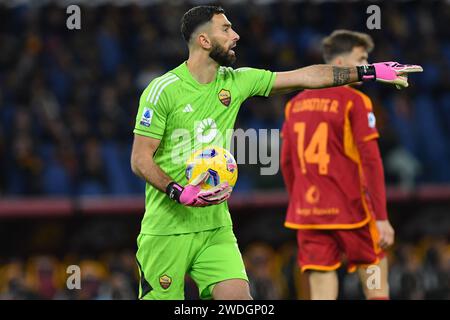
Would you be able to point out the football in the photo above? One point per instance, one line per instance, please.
(218, 161)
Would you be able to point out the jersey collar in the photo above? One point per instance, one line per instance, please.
(183, 72)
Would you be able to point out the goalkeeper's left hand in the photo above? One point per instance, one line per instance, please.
(388, 72)
(192, 195)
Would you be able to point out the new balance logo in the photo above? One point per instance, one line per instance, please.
(188, 108)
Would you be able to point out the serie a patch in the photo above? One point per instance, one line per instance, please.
(371, 120)
(146, 118)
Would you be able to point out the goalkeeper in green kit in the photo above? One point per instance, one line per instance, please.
(186, 229)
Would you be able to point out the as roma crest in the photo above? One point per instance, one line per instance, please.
(225, 97)
(165, 281)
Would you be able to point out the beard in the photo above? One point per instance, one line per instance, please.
(221, 56)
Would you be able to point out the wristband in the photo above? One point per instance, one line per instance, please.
(174, 190)
(366, 73)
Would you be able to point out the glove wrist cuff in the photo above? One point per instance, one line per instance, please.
(366, 73)
(174, 190)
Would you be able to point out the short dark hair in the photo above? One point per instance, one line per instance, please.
(343, 41)
(195, 17)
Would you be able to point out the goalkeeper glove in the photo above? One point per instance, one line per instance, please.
(388, 72)
(193, 196)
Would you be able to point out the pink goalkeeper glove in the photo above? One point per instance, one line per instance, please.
(388, 72)
(193, 196)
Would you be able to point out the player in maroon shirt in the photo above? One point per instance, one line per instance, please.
(333, 172)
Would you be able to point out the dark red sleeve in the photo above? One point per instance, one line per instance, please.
(365, 135)
(374, 175)
(286, 161)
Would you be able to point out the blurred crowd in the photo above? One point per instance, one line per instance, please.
(417, 271)
(68, 99)
(109, 277)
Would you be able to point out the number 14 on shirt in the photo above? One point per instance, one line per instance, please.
(316, 151)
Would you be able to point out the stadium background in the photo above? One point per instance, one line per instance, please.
(68, 100)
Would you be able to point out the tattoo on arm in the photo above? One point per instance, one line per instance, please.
(341, 76)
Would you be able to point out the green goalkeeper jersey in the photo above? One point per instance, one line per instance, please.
(186, 115)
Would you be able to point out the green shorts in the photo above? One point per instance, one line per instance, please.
(208, 257)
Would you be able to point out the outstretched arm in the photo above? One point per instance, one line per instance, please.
(314, 77)
(323, 76)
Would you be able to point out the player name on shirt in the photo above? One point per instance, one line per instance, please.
(316, 104)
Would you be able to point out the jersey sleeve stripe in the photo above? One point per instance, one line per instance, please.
(154, 84)
(349, 143)
(371, 136)
(366, 100)
(162, 89)
(270, 85)
(157, 83)
(242, 69)
(287, 110)
(158, 86)
(152, 98)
